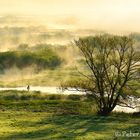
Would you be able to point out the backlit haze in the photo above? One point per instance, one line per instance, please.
(118, 16)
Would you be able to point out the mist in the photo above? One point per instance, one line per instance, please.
(56, 24)
(111, 15)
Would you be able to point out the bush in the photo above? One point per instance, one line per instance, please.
(53, 97)
(21, 59)
(74, 97)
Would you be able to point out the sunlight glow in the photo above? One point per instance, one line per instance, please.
(108, 15)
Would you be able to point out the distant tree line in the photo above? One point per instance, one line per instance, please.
(22, 59)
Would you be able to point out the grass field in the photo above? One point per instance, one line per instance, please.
(33, 116)
(43, 78)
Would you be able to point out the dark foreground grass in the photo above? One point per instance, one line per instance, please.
(61, 119)
(37, 102)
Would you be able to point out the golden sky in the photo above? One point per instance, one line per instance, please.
(110, 15)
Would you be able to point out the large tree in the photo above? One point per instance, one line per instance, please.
(112, 62)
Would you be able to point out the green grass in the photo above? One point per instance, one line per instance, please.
(34, 116)
(37, 102)
(44, 78)
(23, 125)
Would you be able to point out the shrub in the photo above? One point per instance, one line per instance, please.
(21, 59)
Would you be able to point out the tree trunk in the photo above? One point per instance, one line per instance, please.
(105, 111)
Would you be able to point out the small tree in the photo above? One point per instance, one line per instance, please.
(112, 63)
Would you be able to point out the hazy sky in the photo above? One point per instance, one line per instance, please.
(111, 15)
